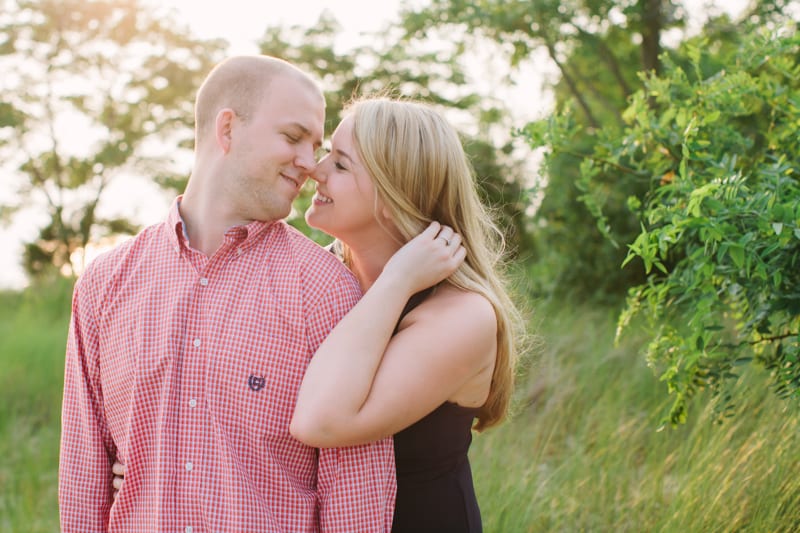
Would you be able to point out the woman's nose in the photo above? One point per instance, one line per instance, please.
(317, 175)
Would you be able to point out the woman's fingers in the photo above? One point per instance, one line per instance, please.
(432, 230)
(455, 242)
(460, 254)
(445, 234)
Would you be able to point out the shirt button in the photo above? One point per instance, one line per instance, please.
(189, 466)
(238, 251)
(203, 281)
(196, 342)
(192, 403)
(188, 529)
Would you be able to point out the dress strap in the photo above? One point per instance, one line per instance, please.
(413, 302)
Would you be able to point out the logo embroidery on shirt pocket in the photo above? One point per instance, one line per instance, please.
(256, 383)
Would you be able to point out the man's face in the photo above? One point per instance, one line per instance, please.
(273, 151)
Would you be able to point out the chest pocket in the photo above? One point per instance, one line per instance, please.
(253, 387)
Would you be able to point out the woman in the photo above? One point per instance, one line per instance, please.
(423, 373)
(415, 362)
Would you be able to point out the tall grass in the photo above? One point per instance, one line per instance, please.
(583, 453)
(587, 450)
(33, 332)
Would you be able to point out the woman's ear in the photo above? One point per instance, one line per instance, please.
(387, 222)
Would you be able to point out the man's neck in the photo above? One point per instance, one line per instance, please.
(205, 221)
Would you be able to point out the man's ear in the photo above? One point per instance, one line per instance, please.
(223, 129)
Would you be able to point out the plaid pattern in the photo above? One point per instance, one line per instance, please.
(186, 369)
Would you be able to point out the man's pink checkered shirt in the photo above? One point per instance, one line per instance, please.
(186, 369)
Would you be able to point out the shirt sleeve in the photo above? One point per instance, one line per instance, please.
(85, 490)
(356, 485)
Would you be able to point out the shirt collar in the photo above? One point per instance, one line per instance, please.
(175, 230)
(244, 235)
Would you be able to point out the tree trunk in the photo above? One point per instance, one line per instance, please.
(652, 24)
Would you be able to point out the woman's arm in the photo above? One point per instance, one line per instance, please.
(363, 384)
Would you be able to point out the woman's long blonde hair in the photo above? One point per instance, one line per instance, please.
(421, 173)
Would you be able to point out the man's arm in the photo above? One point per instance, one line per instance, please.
(84, 478)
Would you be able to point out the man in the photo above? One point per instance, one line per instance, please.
(188, 343)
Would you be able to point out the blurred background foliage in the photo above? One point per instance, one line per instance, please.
(639, 101)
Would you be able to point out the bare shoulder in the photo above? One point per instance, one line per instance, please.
(454, 309)
(447, 298)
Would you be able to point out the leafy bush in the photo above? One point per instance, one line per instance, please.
(716, 141)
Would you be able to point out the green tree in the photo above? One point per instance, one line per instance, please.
(91, 89)
(592, 45)
(598, 47)
(715, 140)
(401, 66)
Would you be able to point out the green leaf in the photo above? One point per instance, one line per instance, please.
(699, 343)
(736, 252)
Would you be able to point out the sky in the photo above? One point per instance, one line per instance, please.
(242, 23)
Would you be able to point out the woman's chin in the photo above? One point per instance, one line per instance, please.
(314, 220)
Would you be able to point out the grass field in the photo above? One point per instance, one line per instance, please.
(583, 452)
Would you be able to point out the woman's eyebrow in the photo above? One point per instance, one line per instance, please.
(342, 153)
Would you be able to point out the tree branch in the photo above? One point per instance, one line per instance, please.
(773, 338)
(573, 87)
(608, 57)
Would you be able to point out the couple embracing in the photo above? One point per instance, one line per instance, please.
(225, 373)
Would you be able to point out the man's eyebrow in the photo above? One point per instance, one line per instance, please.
(306, 132)
(299, 126)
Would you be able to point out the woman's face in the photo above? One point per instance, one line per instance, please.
(344, 205)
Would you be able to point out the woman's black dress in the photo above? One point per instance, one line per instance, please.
(434, 480)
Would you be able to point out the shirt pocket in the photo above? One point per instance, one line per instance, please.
(253, 389)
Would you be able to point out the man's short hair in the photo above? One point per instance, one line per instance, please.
(240, 83)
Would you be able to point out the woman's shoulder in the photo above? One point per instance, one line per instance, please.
(450, 296)
(459, 327)
(450, 304)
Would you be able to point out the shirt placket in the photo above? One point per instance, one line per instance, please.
(192, 410)
(195, 472)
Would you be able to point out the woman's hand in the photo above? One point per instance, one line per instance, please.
(119, 476)
(427, 259)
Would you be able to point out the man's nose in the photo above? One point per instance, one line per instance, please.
(318, 174)
(305, 159)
